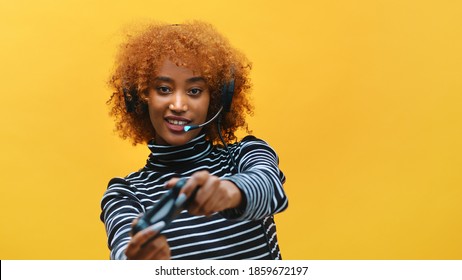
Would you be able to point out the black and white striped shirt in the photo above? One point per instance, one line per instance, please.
(247, 233)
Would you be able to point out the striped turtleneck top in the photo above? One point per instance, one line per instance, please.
(247, 232)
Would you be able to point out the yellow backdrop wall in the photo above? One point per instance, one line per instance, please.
(361, 99)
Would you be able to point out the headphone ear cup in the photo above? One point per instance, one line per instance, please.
(130, 97)
(131, 100)
(227, 93)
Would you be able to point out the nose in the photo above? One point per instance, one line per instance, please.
(179, 103)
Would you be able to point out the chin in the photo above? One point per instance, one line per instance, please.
(179, 140)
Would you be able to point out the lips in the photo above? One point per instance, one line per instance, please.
(176, 124)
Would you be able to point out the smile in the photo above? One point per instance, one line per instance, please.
(177, 122)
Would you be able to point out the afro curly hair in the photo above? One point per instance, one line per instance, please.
(190, 43)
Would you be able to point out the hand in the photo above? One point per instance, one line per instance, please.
(141, 247)
(214, 195)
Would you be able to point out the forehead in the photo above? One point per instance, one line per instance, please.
(168, 66)
(170, 71)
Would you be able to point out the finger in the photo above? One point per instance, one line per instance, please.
(156, 248)
(208, 194)
(146, 234)
(196, 180)
(135, 246)
(171, 183)
(212, 205)
(165, 253)
(136, 219)
(192, 191)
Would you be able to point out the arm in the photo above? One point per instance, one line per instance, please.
(120, 207)
(254, 193)
(259, 179)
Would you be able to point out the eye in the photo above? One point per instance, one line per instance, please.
(195, 91)
(163, 90)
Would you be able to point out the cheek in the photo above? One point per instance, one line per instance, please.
(205, 104)
(203, 110)
(155, 113)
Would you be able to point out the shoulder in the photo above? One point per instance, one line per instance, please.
(251, 146)
(119, 186)
(124, 181)
(251, 142)
(130, 181)
(134, 187)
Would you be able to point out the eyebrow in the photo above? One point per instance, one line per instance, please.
(170, 80)
(195, 79)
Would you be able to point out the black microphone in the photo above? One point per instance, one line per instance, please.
(191, 127)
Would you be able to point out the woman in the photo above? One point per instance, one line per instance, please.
(170, 83)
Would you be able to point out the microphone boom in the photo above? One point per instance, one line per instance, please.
(187, 128)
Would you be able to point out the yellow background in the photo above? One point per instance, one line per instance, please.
(361, 99)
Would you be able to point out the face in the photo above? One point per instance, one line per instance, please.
(178, 96)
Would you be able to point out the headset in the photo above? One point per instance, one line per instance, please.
(131, 100)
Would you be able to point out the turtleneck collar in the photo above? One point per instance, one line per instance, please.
(165, 156)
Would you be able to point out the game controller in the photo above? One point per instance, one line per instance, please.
(165, 210)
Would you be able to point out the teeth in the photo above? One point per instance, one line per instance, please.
(175, 122)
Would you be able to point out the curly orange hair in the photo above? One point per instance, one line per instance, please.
(189, 44)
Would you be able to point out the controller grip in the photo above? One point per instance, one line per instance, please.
(164, 210)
